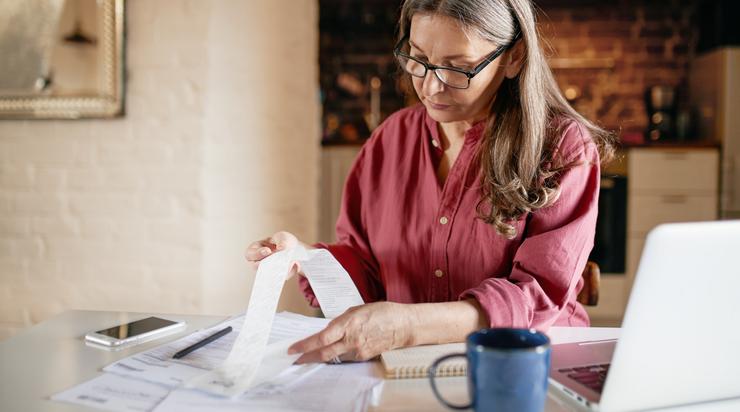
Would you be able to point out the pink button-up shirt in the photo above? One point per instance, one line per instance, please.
(404, 237)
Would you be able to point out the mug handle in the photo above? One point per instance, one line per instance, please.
(433, 372)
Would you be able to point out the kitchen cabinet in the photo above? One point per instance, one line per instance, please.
(665, 184)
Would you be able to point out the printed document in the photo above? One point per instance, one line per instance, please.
(253, 357)
(250, 361)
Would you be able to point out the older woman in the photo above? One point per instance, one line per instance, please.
(475, 208)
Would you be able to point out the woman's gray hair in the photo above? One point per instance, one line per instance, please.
(519, 173)
(491, 20)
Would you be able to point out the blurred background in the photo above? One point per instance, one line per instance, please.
(135, 182)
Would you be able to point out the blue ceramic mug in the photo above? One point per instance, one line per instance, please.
(507, 370)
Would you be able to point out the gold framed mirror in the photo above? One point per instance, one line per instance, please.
(61, 59)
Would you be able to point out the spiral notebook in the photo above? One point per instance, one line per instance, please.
(414, 362)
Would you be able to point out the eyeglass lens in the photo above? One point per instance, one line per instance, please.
(451, 78)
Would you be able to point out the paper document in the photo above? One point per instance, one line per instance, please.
(331, 388)
(334, 289)
(156, 365)
(251, 361)
(298, 388)
(128, 384)
(255, 356)
(115, 393)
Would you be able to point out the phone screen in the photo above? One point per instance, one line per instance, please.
(136, 328)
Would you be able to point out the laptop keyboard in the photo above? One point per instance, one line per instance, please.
(591, 376)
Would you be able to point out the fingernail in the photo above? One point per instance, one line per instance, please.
(292, 351)
(264, 251)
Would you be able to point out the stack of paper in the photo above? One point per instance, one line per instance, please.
(152, 380)
(250, 368)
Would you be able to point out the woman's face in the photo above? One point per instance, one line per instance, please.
(439, 40)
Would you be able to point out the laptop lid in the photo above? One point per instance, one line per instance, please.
(680, 338)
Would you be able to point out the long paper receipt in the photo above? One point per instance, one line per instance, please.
(251, 360)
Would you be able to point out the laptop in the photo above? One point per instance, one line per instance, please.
(680, 337)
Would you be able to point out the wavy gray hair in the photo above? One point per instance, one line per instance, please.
(519, 174)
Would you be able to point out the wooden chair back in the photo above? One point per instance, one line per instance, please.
(589, 295)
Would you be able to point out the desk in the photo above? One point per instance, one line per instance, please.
(52, 356)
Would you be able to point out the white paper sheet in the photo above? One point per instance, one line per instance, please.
(299, 387)
(115, 393)
(250, 361)
(238, 371)
(118, 393)
(332, 285)
(156, 365)
(244, 358)
(331, 388)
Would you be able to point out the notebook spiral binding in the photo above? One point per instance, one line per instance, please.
(443, 371)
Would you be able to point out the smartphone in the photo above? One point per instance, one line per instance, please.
(139, 330)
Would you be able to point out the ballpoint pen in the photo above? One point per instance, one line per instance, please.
(202, 342)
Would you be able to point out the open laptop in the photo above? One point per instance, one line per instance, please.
(680, 338)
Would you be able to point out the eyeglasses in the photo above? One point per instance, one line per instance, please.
(451, 76)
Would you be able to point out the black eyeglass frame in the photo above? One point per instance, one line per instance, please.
(469, 73)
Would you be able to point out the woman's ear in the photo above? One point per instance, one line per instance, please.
(515, 60)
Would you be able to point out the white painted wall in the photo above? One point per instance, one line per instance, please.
(151, 212)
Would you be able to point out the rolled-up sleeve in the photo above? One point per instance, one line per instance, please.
(352, 249)
(547, 266)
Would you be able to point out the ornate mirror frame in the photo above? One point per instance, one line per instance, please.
(105, 100)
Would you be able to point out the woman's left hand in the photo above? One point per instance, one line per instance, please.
(361, 333)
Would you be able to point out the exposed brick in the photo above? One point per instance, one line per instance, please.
(655, 49)
(623, 15)
(680, 49)
(589, 15)
(606, 47)
(650, 44)
(604, 30)
(661, 32)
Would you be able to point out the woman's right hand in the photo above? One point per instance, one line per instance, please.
(263, 248)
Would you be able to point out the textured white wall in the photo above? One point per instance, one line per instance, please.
(151, 212)
(261, 127)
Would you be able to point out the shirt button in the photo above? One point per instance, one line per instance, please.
(438, 273)
(443, 220)
(435, 143)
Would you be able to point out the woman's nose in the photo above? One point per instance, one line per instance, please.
(432, 85)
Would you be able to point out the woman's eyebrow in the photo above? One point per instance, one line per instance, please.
(456, 56)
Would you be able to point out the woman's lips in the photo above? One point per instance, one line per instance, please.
(437, 106)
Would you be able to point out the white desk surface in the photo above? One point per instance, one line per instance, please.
(52, 356)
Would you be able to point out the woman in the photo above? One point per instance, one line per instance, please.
(476, 208)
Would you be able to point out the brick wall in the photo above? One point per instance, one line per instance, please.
(649, 42)
(151, 212)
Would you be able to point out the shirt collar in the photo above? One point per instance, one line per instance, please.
(472, 134)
